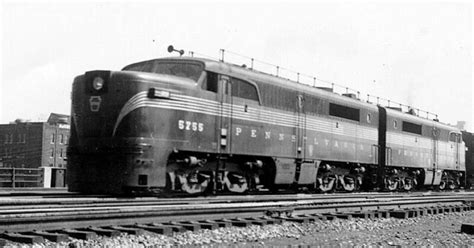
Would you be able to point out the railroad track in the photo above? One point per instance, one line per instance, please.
(21, 220)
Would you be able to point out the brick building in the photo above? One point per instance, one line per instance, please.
(25, 145)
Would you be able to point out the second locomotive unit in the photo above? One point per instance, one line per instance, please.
(192, 125)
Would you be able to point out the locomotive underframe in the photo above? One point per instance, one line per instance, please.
(196, 173)
(193, 173)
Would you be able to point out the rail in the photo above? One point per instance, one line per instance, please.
(25, 217)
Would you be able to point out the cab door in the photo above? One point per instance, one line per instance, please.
(433, 175)
(224, 120)
(455, 147)
(300, 128)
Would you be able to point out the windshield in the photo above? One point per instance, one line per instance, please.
(177, 68)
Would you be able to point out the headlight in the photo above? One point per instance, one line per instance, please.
(98, 83)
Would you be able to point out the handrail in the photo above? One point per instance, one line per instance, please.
(311, 80)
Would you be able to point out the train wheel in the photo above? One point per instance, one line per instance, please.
(327, 183)
(391, 184)
(194, 183)
(451, 185)
(348, 183)
(235, 182)
(442, 185)
(408, 184)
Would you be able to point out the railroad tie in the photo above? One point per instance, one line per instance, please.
(314, 217)
(432, 210)
(378, 214)
(129, 230)
(175, 228)
(85, 235)
(220, 223)
(422, 211)
(448, 209)
(458, 208)
(238, 222)
(329, 216)
(297, 219)
(399, 214)
(273, 220)
(187, 226)
(301, 218)
(165, 230)
(54, 237)
(467, 207)
(343, 216)
(363, 215)
(203, 225)
(404, 213)
(21, 238)
(332, 216)
(103, 232)
(255, 221)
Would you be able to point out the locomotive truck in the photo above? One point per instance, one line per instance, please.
(187, 125)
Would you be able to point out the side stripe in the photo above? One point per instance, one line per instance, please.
(266, 116)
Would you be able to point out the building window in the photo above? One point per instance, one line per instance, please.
(53, 136)
(369, 118)
(395, 124)
(61, 153)
(66, 139)
(24, 138)
(52, 152)
(8, 138)
(61, 139)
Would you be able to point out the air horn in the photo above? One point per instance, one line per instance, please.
(171, 49)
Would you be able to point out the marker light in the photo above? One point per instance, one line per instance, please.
(98, 83)
(156, 93)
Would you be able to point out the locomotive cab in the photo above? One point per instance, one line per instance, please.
(114, 133)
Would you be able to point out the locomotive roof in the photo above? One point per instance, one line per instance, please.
(255, 75)
(419, 120)
(234, 70)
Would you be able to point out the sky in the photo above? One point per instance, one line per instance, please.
(419, 54)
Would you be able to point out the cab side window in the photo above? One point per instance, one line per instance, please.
(455, 137)
(210, 83)
(244, 89)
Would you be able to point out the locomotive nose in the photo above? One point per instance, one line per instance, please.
(97, 82)
(90, 102)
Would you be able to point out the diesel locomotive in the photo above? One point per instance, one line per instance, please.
(187, 125)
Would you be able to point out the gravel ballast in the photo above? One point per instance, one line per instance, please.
(432, 230)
